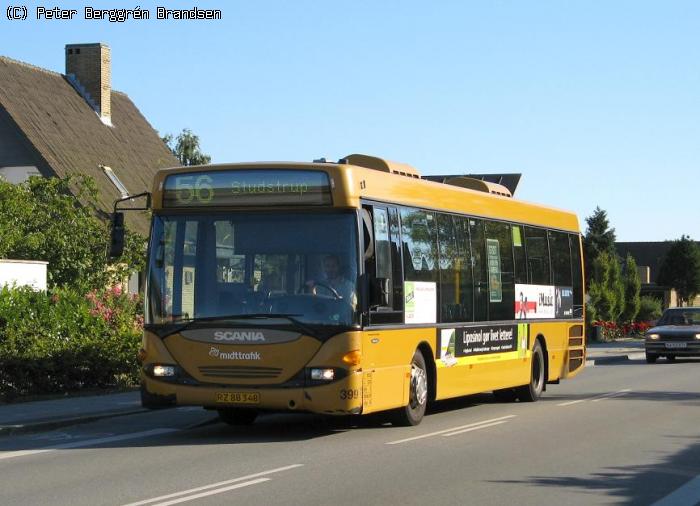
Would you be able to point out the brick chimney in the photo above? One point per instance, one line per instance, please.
(88, 68)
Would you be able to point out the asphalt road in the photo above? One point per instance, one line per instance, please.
(627, 433)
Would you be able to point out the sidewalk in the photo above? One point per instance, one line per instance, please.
(22, 417)
(619, 350)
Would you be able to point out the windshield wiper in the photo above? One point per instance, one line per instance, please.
(291, 317)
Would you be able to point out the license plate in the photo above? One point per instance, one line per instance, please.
(676, 345)
(238, 398)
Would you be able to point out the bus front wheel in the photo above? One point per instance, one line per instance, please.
(412, 414)
(238, 416)
(532, 391)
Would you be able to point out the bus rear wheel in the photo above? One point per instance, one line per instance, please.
(532, 391)
(412, 414)
(238, 416)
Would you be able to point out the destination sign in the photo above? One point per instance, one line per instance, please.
(259, 187)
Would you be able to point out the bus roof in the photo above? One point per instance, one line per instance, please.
(352, 183)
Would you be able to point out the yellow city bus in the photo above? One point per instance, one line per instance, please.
(352, 288)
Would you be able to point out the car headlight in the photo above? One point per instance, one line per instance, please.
(654, 336)
(697, 336)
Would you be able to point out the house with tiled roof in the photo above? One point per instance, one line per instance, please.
(54, 124)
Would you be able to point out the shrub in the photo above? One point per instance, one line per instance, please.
(649, 309)
(63, 340)
(609, 330)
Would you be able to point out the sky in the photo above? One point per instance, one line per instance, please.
(596, 103)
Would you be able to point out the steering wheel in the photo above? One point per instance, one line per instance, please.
(328, 287)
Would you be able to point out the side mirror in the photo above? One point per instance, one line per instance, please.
(379, 291)
(116, 245)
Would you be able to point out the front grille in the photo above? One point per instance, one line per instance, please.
(685, 336)
(240, 372)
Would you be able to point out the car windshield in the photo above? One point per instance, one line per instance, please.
(681, 316)
(299, 267)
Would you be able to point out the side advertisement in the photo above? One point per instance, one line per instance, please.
(543, 301)
(457, 345)
(420, 304)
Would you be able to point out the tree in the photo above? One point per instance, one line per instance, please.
(649, 309)
(632, 286)
(599, 238)
(55, 220)
(186, 148)
(680, 269)
(606, 290)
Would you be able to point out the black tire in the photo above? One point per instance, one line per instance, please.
(238, 416)
(651, 358)
(505, 395)
(153, 401)
(671, 358)
(412, 414)
(533, 390)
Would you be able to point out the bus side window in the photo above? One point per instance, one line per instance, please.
(385, 264)
(466, 269)
(520, 265)
(561, 258)
(449, 269)
(396, 262)
(537, 251)
(499, 259)
(419, 245)
(420, 259)
(478, 247)
(456, 288)
(382, 248)
(577, 274)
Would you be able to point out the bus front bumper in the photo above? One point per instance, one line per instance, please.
(341, 397)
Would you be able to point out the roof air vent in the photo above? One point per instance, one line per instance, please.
(373, 162)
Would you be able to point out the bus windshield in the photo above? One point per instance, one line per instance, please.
(249, 265)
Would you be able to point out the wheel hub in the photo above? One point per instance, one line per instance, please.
(419, 386)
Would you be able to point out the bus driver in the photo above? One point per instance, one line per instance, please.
(334, 279)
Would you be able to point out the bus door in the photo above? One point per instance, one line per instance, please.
(385, 384)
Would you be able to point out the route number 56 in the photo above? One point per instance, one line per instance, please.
(198, 189)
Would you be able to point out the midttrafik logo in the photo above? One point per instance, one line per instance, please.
(234, 355)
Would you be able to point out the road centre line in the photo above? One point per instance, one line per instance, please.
(87, 442)
(214, 486)
(597, 398)
(687, 494)
(453, 429)
(212, 492)
(478, 427)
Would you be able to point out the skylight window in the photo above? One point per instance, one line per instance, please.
(115, 181)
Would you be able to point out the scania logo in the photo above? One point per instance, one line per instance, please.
(234, 355)
(238, 335)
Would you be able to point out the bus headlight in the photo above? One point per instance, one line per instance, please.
(653, 336)
(322, 374)
(162, 371)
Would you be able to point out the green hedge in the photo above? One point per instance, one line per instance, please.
(63, 340)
